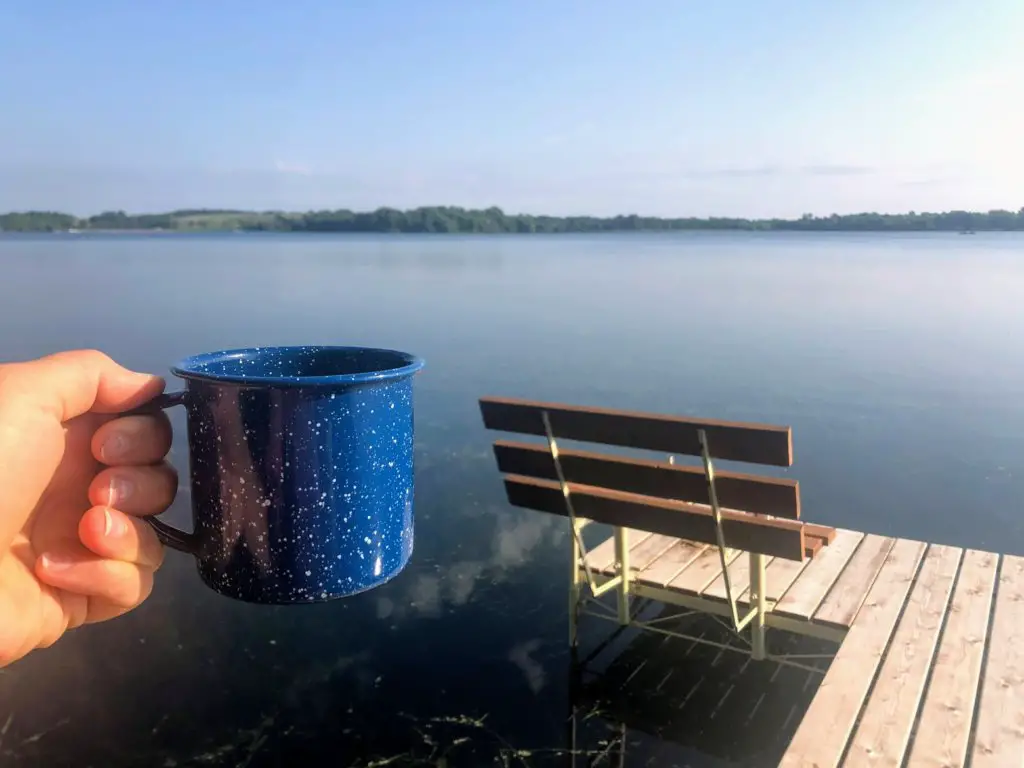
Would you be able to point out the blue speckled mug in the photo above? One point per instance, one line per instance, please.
(301, 461)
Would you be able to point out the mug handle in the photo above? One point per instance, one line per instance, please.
(169, 535)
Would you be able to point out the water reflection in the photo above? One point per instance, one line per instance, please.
(515, 538)
(657, 700)
(887, 355)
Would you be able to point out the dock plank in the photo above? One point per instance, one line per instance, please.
(885, 724)
(671, 563)
(702, 571)
(802, 599)
(944, 725)
(779, 576)
(999, 737)
(823, 734)
(739, 577)
(844, 600)
(601, 558)
(648, 550)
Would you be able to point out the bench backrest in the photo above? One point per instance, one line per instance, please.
(759, 514)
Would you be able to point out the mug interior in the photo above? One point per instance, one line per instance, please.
(299, 365)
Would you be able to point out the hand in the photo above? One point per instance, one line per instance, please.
(74, 480)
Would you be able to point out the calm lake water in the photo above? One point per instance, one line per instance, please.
(896, 359)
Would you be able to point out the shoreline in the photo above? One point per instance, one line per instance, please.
(637, 232)
(456, 220)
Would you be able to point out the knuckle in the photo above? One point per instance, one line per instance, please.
(85, 358)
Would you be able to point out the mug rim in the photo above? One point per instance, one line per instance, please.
(186, 367)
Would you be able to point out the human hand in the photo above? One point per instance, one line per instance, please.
(74, 479)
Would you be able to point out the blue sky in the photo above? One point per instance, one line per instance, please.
(665, 107)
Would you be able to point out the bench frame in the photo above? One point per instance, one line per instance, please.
(758, 618)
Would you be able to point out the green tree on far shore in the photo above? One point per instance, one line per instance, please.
(450, 219)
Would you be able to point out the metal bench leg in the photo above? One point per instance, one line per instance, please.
(574, 585)
(758, 583)
(579, 551)
(622, 558)
(622, 746)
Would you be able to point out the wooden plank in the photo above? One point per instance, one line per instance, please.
(999, 735)
(944, 725)
(702, 571)
(779, 576)
(885, 724)
(602, 557)
(671, 563)
(752, 533)
(841, 604)
(739, 577)
(736, 490)
(821, 739)
(803, 598)
(648, 551)
(730, 440)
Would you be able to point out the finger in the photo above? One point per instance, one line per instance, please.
(133, 440)
(113, 535)
(139, 491)
(68, 384)
(123, 584)
(100, 610)
(36, 398)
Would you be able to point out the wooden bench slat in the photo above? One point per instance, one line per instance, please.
(601, 558)
(732, 441)
(769, 536)
(944, 726)
(824, 532)
(747, 493)
(702, 571)
(739, 577)
(671, 563)
(999, 736)
(848, 593)
(884, 730)
(803, 598)
(821, 739)
(812, 545)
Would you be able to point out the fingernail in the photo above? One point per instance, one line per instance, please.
(55, 562)
(120, 489)
(113, 525)
(114, 447)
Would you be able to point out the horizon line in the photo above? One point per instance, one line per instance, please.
(211, 210)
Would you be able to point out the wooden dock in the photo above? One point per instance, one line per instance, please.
(930, 666)
(925, 661)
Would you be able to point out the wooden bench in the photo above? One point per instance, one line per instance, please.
(677, 530)
(928, 670)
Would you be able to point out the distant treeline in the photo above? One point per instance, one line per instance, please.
(494, 220)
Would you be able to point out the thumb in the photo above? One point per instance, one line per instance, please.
(36, 398)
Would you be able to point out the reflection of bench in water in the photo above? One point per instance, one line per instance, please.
(924, 634)
(716, 702)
